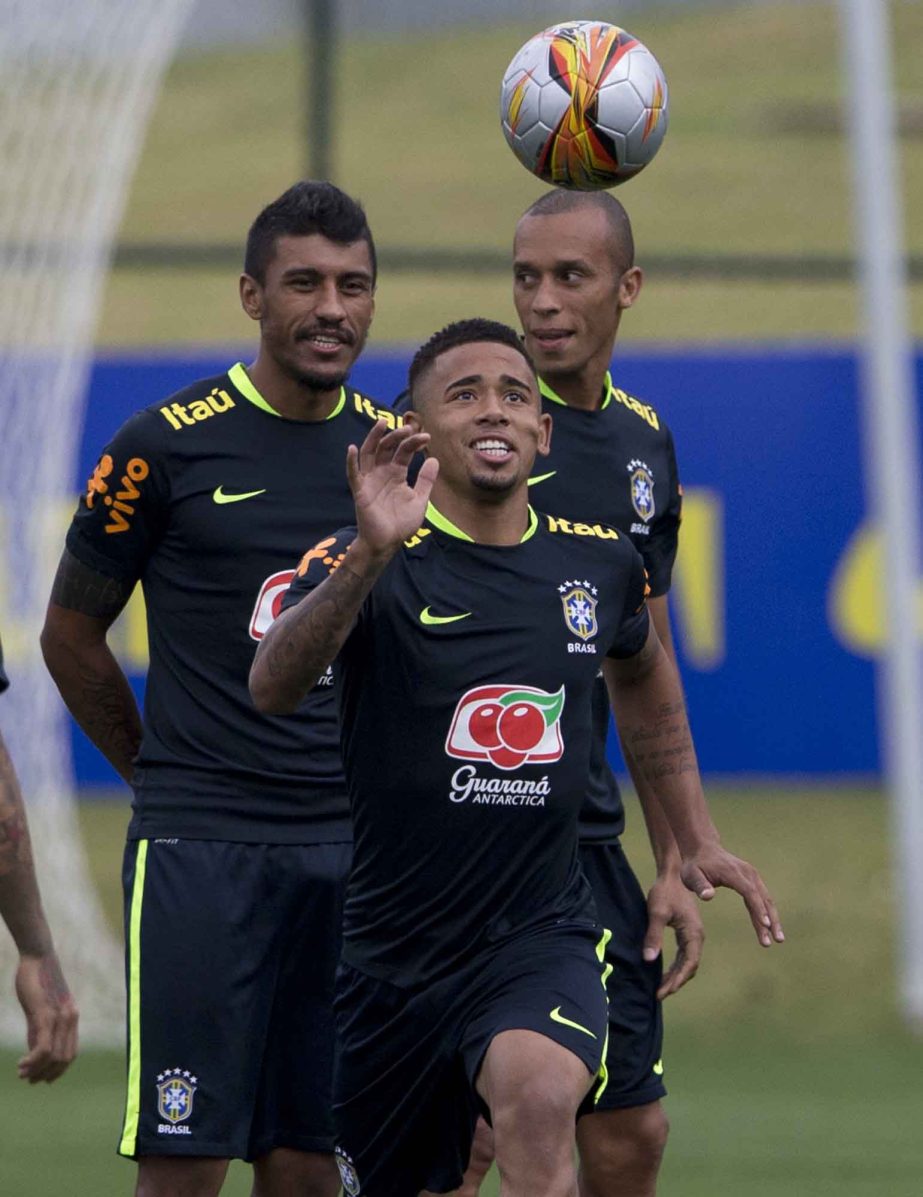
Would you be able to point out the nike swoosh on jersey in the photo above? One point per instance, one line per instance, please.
(426, 618)
(220, 497)
(541, 478)
(557, 1016)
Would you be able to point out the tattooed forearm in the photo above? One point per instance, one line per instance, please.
(79, 588)
(662, 745)
(96, 692)
(20, 905)
(301, 644)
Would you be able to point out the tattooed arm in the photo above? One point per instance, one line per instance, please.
(647, 703)
(51, 1016)
(669, 903)
(83, 606)
(304, 640)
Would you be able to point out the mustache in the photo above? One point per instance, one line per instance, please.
(343, 335)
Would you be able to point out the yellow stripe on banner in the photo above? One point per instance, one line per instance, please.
(607, 972)
(128, 1145)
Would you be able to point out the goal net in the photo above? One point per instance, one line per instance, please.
(78, 79)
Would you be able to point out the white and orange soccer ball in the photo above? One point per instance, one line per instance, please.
(584, 105)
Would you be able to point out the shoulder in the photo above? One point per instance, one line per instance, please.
(367, 411)
(192, 406)
(590, 541)
(638, 415)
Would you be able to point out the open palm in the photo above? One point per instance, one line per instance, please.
(388, 508)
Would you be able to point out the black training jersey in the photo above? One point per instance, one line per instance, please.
(4, 680)
(207, 498)
(464, 693)
(617, 465)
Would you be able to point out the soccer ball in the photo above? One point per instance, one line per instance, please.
(584, 105)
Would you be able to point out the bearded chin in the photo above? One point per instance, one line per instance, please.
(494, 483)
(321, 382)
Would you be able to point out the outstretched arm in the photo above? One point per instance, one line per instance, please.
(304, 640)
(83, 606)
(51, 1015)
(649, 711)
(669, 903)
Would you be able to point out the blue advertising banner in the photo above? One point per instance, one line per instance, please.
(777, 599)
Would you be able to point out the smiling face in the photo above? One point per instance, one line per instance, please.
(570, 286)
(314, 306)
(481, 406)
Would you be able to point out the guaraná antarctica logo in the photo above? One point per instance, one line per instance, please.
(508, 726)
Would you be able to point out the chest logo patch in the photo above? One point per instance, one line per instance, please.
(269, 602)
(220, 497)
(507, 725)
(579, 602)
(642, 489)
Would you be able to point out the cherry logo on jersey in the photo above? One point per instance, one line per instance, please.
(508, 726)
(269, 602)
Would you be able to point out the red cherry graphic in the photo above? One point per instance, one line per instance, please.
(506, 758)
(522, 726)
(483, 725)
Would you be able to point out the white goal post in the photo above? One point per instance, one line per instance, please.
(78, 80)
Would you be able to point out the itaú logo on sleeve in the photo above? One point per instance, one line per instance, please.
(508, 726)
(269, 602)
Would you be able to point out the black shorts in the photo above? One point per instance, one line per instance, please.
(635, 1058)
(404, 1091)
(231, 954)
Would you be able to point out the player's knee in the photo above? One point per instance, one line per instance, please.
(622, 1143)
(538, 1107)
(163, 1176)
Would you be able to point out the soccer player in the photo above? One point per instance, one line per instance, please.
(612, 458)
(51, 1014)
(240, 838)
(466, 633)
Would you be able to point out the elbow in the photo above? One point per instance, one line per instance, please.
(266, 695)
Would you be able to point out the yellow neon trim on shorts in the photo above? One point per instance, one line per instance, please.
(129, 1141)
(607, 972)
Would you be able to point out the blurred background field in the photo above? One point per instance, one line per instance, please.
(791, 1073)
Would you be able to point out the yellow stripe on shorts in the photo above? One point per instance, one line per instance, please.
(129, 1141)
(607, 970)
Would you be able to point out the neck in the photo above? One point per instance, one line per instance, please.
(491, 519)
(584, 388)
(287, 395)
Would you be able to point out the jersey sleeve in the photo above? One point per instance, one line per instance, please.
(659, 550)
(122, 513)
(317, 565)
(634, 623)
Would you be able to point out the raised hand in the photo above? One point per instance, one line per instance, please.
(713, 866)
(388, 508)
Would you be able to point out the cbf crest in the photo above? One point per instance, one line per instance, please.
(175, 1094)
(348, 1174)
(642, 489)
(579, 602)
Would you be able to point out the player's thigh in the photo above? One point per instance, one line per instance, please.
(295, 1102)
(404, 1110)
(548, 984)
(201, 947)
(163, 1176)
(634, 1059)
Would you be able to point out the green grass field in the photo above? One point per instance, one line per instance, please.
(746, 168)
(790, 1072)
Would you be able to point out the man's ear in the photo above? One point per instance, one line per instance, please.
(251, 297)
(630, 286)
